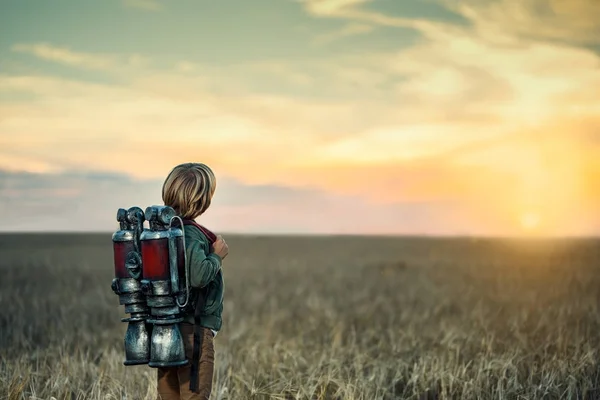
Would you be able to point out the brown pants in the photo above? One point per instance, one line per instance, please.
(174, 383)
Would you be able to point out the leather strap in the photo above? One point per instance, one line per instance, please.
(198, 336)
(198, 330)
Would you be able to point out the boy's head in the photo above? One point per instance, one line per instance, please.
(189, 189)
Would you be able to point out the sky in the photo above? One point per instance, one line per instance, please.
(420, 117)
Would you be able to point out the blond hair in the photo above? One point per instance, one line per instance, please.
(189, 189)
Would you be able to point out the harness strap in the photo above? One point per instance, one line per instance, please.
(198, 331)
(198, 336)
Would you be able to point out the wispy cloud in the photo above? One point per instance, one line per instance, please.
(566, 21)
(347, 31)
(353, 10)
(331, 7)
(64, 55)
(500, 21)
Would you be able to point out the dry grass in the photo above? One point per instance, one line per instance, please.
(322, 318)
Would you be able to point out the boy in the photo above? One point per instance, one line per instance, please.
(189, 189)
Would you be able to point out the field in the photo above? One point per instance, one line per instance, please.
(322, 318)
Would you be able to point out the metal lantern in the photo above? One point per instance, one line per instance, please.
(163, 257)
(126, 284)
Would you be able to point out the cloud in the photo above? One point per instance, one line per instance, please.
(488, 117)
(496, 21)
(452, 124)
(66, 56)
(63, 55)
(76, 201)
(573, 21)
(147, 5)
(347, 31)
(204, 125)
(354, 10)
(331, 7)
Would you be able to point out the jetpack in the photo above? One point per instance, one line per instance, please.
(152, 282)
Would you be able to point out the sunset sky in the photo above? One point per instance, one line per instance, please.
(438, 117)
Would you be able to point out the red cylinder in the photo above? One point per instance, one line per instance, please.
(121, 249)
(155, 256)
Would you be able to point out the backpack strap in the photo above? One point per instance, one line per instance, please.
(200, 303)
(198, 337)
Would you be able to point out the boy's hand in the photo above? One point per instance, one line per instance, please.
(220, 248)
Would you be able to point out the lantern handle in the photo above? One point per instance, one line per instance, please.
(187, 279)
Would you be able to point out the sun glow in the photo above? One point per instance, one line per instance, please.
(530, 221)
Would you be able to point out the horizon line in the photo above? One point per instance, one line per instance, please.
(316, 234)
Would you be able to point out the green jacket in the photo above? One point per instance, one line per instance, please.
(204, 273)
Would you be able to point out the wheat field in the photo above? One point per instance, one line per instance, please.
(322, 318)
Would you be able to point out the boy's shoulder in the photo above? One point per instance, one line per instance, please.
(191, 230)
(192, 235)
(196, 231)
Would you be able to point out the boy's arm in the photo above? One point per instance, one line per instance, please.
(203, 264)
